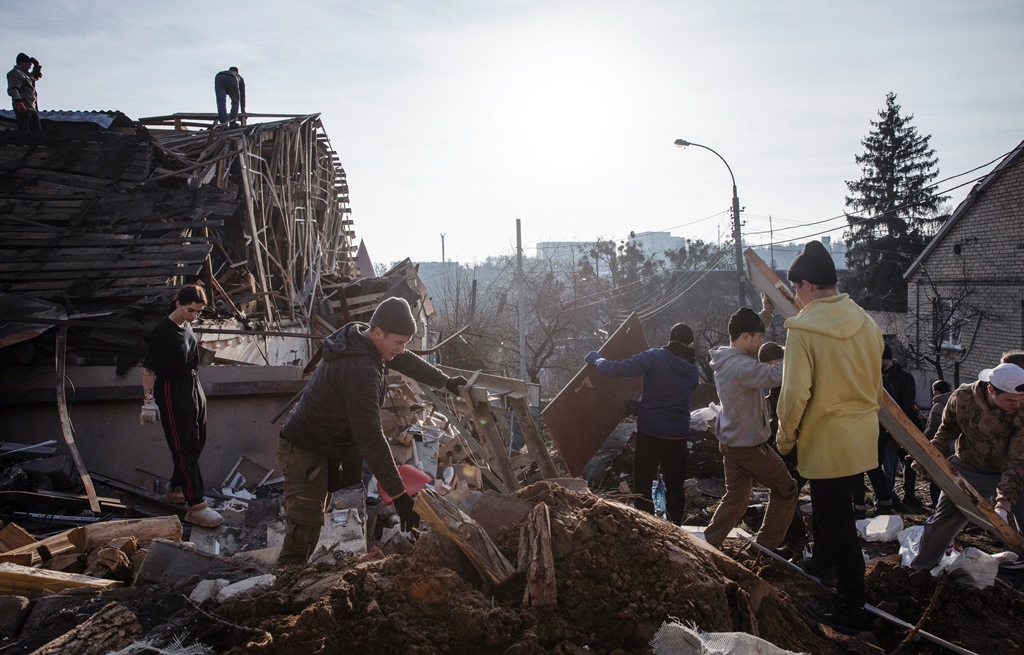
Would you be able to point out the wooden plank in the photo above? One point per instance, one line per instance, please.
(448, 520)
(65, 421)
(586, 411)
(538, 449)
(484, 423)
(58, 544)
(976, 508)
(14, 536)
(87, 537)
(33, 583)
(496, 384)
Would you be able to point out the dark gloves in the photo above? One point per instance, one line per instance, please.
(407, 517)
(453, 384)
(19, 107)
(35, 62)
(592, 357)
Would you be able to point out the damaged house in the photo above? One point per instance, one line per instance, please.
(103, 218)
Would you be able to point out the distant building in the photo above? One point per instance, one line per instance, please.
(783, 254)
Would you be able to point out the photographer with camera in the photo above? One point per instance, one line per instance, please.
(21, 86)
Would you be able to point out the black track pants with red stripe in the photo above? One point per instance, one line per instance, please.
(182, 406)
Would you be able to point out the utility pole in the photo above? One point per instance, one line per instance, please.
(737, 236)
(521, 282)
(442, 248)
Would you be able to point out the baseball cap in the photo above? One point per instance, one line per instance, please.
(1005, 377)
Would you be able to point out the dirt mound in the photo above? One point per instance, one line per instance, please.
(621, 574)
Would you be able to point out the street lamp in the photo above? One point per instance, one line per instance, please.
(736, 237)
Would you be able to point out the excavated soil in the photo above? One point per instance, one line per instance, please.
(621, 574)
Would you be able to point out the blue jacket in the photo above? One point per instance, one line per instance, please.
(669, 378)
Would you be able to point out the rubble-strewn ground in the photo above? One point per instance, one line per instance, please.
(620, 575)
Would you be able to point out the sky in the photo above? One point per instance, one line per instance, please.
(458, 117)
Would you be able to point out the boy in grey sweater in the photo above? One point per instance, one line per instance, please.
(743, 429)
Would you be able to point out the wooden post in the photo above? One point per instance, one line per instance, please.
(65, 421)
(536, 559)
(533, 439)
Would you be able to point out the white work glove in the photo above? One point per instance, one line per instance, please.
(766, 304)
(150, 412)
(1003, 514)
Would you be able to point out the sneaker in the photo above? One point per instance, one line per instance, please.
(826, 577)
(202, 515)
(841, 619)
(174, 497)
(883, 507)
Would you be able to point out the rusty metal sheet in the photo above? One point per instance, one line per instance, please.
(967, 499)
(586, 411)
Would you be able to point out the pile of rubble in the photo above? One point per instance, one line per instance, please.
(596, 576)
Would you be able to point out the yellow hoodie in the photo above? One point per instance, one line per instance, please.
(831, 389)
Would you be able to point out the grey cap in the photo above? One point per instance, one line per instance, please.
(394, 316)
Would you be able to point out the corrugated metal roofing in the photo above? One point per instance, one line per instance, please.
(104, 117)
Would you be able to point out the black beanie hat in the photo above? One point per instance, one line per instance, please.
(744, 320)
(394, 316)
(887, 352)
(769, 352)
(682, 333)
(22, 57)
(813, 265)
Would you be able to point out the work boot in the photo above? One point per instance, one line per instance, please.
(174, 496)
(826, 577)
(883, 507)
(203, 516)
(840, 618)
(910, 499)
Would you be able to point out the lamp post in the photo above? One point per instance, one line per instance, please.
(736, 237)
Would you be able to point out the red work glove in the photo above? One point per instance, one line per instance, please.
(20, 107)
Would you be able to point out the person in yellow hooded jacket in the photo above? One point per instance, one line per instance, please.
(828, 409)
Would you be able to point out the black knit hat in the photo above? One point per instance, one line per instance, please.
(394, 316)
(887, 352)
(744, 320)
(682, 333)
(22, 58)
(813, 265)
(769, 352)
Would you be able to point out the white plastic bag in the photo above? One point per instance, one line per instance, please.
(699, 417)
(885, 527)
(970, 566)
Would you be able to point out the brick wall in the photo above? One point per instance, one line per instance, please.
(988, 273)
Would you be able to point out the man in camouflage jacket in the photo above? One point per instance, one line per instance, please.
(986, 421)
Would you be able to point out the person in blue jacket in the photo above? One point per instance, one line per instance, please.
(663, 420)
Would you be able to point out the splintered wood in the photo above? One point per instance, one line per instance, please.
(450, 521)
(536, 559)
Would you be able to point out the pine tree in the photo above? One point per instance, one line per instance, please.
(895, 209)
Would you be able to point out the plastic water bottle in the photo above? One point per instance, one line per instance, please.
(658, 494)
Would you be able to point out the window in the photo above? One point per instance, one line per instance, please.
(947, 323)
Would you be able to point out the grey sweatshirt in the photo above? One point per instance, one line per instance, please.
(338, 416)
(740, 380)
